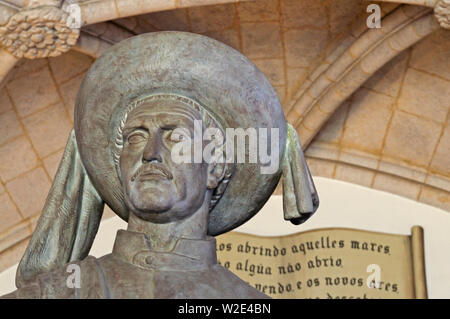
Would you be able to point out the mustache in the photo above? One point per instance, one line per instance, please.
(149, 169)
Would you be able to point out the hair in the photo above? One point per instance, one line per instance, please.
(207, 119)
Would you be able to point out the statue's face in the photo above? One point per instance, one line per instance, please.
(156, 188)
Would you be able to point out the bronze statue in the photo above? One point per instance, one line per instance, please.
(138, 102)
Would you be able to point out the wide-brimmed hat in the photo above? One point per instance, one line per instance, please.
(219, 78)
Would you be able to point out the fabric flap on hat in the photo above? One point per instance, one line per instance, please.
(300, 199)
(69, 221)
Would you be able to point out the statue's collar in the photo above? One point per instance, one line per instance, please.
(187, 255)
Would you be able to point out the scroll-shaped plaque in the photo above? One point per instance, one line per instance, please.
(329, 263)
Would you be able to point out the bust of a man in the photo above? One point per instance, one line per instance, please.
(139, 111)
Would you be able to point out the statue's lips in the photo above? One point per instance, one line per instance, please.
(153, 176)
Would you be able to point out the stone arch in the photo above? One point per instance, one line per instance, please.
(368, 53)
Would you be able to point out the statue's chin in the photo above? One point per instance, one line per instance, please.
(150, 197)
(154, 217)
(151, 206)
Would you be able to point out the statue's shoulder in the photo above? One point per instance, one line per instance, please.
(78, 279)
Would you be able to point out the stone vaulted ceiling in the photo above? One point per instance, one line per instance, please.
(371, 105)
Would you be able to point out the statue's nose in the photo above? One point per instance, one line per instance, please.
(152, 151)
(156, 159)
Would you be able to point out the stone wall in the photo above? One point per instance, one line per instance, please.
(393, 134)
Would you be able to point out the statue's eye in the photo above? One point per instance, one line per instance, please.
(176, 137)
(136, 138)
(172, 134)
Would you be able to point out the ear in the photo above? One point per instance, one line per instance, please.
(216, 172)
